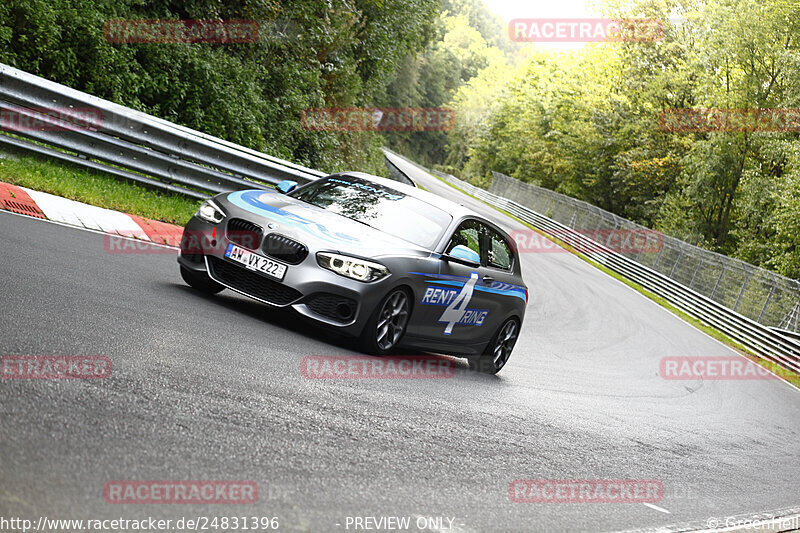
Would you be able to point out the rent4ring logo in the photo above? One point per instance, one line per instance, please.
(456, 302)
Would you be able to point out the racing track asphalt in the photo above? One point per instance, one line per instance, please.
(210, 388)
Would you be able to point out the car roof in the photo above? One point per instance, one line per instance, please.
(455, 209)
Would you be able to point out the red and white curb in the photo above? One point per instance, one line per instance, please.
(51, 207)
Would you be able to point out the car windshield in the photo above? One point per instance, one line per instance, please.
(380, 207)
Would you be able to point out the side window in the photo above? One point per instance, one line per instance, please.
(499, 254)
(468, 234)
(491, 247)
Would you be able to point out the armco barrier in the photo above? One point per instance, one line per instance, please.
(763, 296)
(130, 144)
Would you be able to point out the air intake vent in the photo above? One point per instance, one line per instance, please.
(250, 283)
(333, 306)
(284, 249)
(244, 233)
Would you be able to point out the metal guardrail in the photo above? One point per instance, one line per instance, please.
(766, 297)
(130, 144)
(768, 343)
(793, 336)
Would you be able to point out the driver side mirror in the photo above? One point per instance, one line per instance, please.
(286, 186)
(464, 255)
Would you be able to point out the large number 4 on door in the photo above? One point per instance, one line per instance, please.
(455, 311)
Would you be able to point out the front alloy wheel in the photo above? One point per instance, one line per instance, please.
(386, 327)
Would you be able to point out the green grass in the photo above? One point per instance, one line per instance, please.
(95, 188)
(788, 375)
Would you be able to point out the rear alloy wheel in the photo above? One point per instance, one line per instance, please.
(497, 352)
(387, 325)
(200, 281)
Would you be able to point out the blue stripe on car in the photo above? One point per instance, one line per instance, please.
(497, 287)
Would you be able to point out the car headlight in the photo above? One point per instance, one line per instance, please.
(351, 267)
(210, 212)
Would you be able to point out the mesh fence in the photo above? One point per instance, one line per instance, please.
(768, 298)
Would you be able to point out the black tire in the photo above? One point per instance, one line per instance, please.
(499, 349)
(200, 281)
(387, 325)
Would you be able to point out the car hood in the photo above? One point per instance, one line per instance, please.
(316, 227)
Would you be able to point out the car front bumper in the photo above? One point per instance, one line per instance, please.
(309, 289)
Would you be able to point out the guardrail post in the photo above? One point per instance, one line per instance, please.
(696, 270)
(766, 302)
(660, 253)
(741, 292)
(678, 260)
(716, 286)
(791, 315)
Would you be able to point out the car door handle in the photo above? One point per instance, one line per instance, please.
(488, 279)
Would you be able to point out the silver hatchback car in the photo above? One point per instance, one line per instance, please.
(379, 260)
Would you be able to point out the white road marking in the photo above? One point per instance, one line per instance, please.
(656, 507)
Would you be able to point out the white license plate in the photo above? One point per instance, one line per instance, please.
(256, 262)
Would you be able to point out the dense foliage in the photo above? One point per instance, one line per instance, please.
(308, 54)
(581, 121)
(586, 123)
